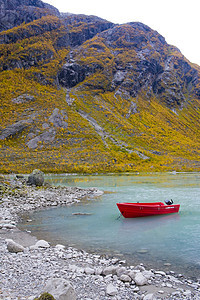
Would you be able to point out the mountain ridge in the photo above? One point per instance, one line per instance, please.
(81, 94)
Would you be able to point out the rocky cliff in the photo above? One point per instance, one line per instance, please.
(93, 95)
(16, 12)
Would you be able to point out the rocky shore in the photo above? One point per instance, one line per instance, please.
(29, 267)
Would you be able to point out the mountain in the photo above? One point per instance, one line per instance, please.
(81, 94)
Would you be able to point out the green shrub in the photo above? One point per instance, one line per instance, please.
(45, 296)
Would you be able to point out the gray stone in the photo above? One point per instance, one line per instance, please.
(60, 289)
(14, 247)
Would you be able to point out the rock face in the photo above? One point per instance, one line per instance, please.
(72, 81)
(147, 68)
(15, 12)
(36, 178)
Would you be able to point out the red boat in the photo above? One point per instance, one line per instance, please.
(134, 210)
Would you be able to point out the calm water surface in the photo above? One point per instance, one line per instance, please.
(170, 242)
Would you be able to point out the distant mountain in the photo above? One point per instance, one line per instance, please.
(81, 94)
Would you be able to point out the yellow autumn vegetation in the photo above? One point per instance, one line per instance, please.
(152, 138)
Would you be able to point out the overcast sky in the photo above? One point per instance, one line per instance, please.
(177, 20)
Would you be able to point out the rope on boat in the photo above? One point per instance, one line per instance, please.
(118, 217)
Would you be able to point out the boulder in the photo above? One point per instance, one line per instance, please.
(14, 247)
(36, 178)
(60, 289)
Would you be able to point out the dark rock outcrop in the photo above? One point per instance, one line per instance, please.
(15, 12)
(149, 67)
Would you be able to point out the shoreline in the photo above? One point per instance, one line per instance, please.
(92, 276)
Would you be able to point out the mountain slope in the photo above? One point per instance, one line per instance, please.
(81, 94)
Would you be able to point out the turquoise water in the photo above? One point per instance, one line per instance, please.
(168, 242)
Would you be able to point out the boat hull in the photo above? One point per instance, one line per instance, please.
(135, 210)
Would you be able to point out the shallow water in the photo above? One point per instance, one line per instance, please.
(168, 242)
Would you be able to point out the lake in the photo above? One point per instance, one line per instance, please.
(168, 242)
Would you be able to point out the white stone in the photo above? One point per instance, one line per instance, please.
(140, 279)
(111, 290)
(14, 247)
(42, 244)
